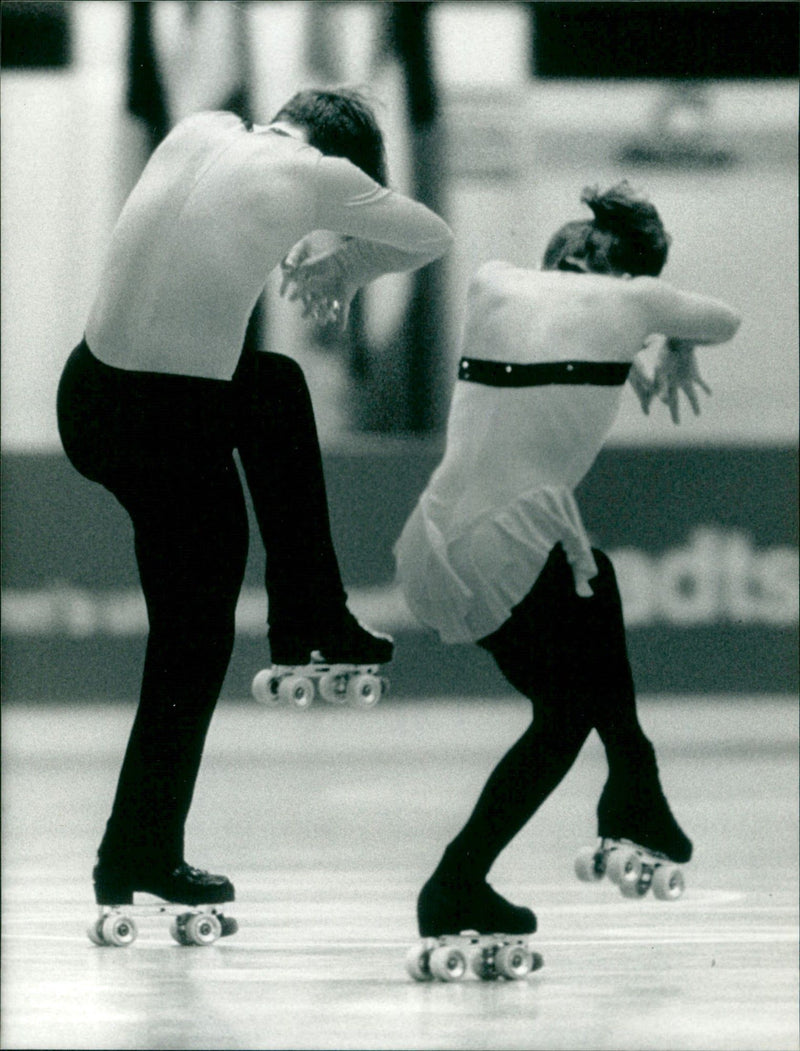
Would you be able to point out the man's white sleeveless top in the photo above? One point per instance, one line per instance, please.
(216, 209)
(523, 431)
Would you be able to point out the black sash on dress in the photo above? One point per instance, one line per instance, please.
(501, 374)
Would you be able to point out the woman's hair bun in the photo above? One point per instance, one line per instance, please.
(626, 235)
(618, 209)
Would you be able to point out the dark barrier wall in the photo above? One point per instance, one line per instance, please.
(704, 541)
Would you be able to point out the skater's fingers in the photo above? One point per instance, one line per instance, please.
(287, 279)
(344, 313)
(691, 394)
(672, 402)
(296, 254)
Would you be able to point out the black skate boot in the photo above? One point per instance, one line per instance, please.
(184, 885)
(638, 812)
(470, 928)
(345, 642)
(444, 909)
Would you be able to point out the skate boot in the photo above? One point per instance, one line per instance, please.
(190, 896)
(471, 929)
(641, 844)
(340, 665)
(345, 642)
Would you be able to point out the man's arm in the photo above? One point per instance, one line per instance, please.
(352, 204)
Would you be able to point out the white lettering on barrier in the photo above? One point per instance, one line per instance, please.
(717, 577)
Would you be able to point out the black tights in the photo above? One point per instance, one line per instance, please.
(163, 445)
(567, 654)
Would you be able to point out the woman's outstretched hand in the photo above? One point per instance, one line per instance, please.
(643, 386)
(676, 371)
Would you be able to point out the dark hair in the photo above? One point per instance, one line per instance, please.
(340, 124)
(625, 236)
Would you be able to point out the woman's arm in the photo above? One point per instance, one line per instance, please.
(684, 315)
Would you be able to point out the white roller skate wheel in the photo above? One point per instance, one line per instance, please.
(95, 932)
(263, 689)
(624, 866)
(585, 868)
(333, 688)
(228, 926)
(630, 889)
(177, 928)
(480, 964)
(119, 931)
(297, 691)
(202, 929)
(448, 964)
(513, 961)
(668, 882)
(417, 963)
(364, 691)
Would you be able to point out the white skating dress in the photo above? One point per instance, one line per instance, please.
(523, 431)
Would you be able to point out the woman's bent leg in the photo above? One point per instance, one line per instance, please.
(529, 650)
(632, 805)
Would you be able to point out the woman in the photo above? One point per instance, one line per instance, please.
(156, 398)
(495, 551)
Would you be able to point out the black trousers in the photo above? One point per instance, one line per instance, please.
(164, 446)
(568, 655)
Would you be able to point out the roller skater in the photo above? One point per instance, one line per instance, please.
(164, 389)
(495, 551)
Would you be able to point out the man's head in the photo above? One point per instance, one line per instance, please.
(340, 124)
(626, 236)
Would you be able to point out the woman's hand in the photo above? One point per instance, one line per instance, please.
(676, 371)
(643, 386)
(314, 273)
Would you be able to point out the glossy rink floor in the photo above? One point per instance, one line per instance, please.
(329, 820)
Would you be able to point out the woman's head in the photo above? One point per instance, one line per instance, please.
(625, 236)
(340, 124)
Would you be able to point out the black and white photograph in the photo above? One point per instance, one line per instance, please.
(399, 464)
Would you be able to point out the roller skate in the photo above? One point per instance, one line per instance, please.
(640, 845)
(633, 868)
(191, 898)
(461, 935)
(343, 667)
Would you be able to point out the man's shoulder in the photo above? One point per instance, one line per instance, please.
(209, 119)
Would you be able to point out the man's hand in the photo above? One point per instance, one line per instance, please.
(314, 273)
(676, 371)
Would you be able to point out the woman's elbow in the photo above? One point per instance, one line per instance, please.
(444, 241)
(730, 326)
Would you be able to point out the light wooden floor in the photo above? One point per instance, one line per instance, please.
(329, 821)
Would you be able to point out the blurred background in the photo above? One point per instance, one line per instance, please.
(496, 115)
